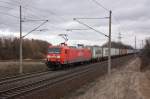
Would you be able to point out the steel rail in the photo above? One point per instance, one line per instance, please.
(22, 77)
(12, 92)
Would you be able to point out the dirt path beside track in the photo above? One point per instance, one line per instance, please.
(126, 82)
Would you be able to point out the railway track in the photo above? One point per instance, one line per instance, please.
(20, 90)
(19, 77)
(16, 87)
(12, 92)
(25, 76)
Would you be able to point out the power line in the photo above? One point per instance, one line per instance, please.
(26, 3)
(33, 13)
(4, 13)
(16, 1)
(90, 27)
(57, 28)
(35, 28)
(100, 5)
(8, 3)
(6, 7)
(48, 11)
(75, 29)
(119, 28)
(119, 37)
(14, 24)
(31, 20)
(94, 18)
(114, 36)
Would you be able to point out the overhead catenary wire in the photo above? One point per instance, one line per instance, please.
(4, 13)
(100, 5)
(9, 3)
(18, 3)
(94, 18)
(47, 11)
(42, 10)
(32, 12)
(6, 7)
(32, 20)
(9, 8)
(35, 28)
(26, 3)
(16, 17)
(75, 29)
(34, 15)
(90, 27)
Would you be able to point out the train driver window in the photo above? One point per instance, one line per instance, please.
(65, 51)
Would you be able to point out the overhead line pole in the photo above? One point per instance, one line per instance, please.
(119, 37)
(21, 37)
(135, 46)
(109, 45)
(142, 44)
(135, 42)
(109, 37)
(20, 67)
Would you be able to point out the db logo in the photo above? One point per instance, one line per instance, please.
(80, 54)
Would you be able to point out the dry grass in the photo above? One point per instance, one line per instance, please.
(12, 68)
(126, 83)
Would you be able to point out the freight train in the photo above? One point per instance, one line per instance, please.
(62, 55)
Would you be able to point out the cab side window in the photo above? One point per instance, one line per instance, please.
(66, 51)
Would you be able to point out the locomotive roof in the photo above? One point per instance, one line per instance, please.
(60, 46)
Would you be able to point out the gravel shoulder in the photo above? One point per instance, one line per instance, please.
(127, 82)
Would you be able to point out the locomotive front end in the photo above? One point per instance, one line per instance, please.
(53, 57)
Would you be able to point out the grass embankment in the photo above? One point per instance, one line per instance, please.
(12, 68)
(145, 56)
(127, 82)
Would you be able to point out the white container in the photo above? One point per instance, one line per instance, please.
(116, 51)
(97, 52)
(105, 52)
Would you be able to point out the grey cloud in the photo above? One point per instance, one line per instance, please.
(132, 15)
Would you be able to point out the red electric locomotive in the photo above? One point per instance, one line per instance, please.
(62, 55)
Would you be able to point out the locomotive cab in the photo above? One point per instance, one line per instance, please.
(56, 56)
(54, 53)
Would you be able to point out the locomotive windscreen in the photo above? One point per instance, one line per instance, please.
(54, 50)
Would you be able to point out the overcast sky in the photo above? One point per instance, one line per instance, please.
(130, 17)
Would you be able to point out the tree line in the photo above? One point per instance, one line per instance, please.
(32, 48)
(145, 55)
(118, 45)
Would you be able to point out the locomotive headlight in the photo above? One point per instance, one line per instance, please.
(57, 56)
(48, 56)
